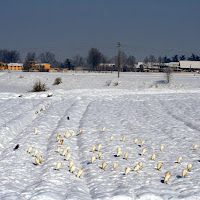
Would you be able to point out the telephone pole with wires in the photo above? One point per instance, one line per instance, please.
(118, 45)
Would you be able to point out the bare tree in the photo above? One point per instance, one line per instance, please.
(31, 56)
(160, 60)
(78, 61)
(9, 56)
(168, 74)
(152, 60)
(48, 57)
(94, 58)
(130, 61)
(146, 60)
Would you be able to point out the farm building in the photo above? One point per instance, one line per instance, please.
(2, 66)
(15, 66)
(190, 65)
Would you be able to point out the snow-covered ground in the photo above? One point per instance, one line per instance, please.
(137, 105)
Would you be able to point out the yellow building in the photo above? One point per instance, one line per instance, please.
(43, 65)
(15, 66)
(2, 66)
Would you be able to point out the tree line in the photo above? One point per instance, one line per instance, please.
(91, 62)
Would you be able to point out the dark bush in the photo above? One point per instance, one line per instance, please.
(39, 87)
(57, 81)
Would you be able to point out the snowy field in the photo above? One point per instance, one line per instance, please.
(137, 105)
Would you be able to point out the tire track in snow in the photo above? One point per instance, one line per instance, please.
(50, 178)
(76, 113)
(19, 122)
(47, 126)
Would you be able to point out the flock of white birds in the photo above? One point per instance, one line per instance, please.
(69, 157)
(83, 139)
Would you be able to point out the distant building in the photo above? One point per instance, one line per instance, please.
(2, 66)
(175, 66)
(148, 67)
(34, 66)
(157, 67)
(190, 65)
(15, 66)
(42, 66)
(107, 67)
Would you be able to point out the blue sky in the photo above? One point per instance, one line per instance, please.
(70, 27)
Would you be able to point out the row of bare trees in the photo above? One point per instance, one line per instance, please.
(176, 58)
(91, 62)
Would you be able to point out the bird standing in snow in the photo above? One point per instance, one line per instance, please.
(184, 173)
(137, 167)
(67, 134)
(124, 138)
(57, 138)
(58, 148)
(195, 147)
(159, 165)
(94, 149)
(161, 148)
(73, 168)
(140, 164)
(119, 153)
(71, 163)
(36, 130)
(93, 159)
(143, 142)
(104, 165)
(29, 149)
(99, 147)
(36, 161)
(153, 157)
(16, 147)
(73, 134)
(143, 151)
(58, 134)
(126, 155)
(111, 138)
(135, 140)
(80, 172)
(36, 152)
(40, 159)
(189, 166)
(100, 154)
(127, 170)
(68, 156)
(61, 141)
(58, 165)
(67, 148)
(179, 159)
(64, 152)
(103, 128)
(167, 177)
(115, 165)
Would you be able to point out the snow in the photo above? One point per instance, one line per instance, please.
(141, 105)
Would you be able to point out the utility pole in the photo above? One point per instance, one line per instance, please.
(118, 45)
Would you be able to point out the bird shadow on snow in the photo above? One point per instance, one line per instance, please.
(35, 164)
(178, 176)
(162, 181)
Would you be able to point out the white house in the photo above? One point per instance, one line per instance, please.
(188, 65)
